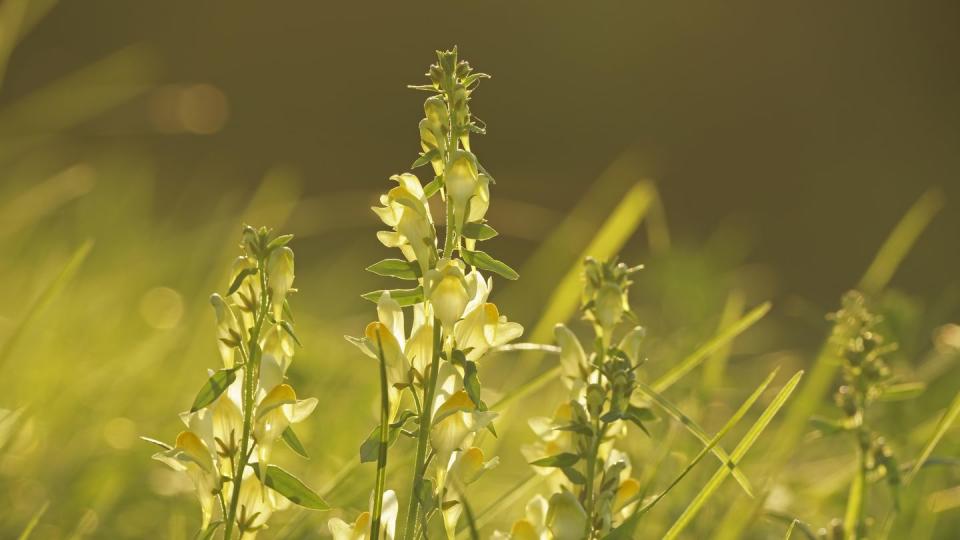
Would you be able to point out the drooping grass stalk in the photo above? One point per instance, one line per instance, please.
(251, 372)
(423, 435)
(382, 449)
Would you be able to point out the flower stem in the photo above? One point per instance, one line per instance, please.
(251, 373)
(591, 475)
(382, 451)
(423, 437)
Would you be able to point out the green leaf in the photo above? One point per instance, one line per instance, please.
(471, 382)
(290, 487)
(478, 231)
(209, 532)
(288, 328)
(425, 158)
(395, 268)
(370, 449)
(738, 453)
(215, 385)
(290, 437)
(238, 281)
(432, 187)
(404, 297)
(279, 241)
(574, 476)
(486, 262)
(566, 459)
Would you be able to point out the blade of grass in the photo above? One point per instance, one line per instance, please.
(504, 501)
(901, 239)
(946, 421)
(626, 529)
(690, 425)
(52, 290)
(716, 364)
(32, 524)
(738, 453)
(719, 341)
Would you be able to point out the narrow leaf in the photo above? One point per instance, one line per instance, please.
(290, 487)
(211, 530)
(290, 437)
(214, 386)
(238, 281)
(565, 459)
(32, 524)
(404, 297)
(279, 241)
(479, 231)
(486, 262)
(395, 268)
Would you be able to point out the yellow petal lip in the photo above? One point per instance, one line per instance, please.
(282, 394)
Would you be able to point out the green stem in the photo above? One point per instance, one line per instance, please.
(423, 438)
(382, 451)
(250, 376)
(591, 474)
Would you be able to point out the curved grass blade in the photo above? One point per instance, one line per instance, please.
(738, 453)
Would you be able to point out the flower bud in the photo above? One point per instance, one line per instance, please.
(281, 277)
(447, 291)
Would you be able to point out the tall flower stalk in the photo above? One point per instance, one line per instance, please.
(247, 406)
(866, 377)
(430, 385)
(592, 490)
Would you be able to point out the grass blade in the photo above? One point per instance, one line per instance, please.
(901, 239)
(714, 344)
(32, 524)
(690, 425)
(626, 529)
(738, 453)
(53, 289)
(942, 426)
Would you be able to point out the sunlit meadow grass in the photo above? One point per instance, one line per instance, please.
(106, 332)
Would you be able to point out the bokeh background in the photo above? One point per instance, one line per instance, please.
(784, 141)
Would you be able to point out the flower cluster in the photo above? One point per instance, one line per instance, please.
(593, 491)
(866, 377)
(430, 386)
(246, 407)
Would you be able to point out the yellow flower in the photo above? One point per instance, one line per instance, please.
(281, 277)
(405, 208)
(566, 518)
(228, 329)
(573, 360)
(455, 419)
(482, 329)
(359, 529)
(192, 456)
(255, 505)
(447, 289)
(533, 526)
(462, 181)
(275, 412)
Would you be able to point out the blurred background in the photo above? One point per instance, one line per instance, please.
(784, 142)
